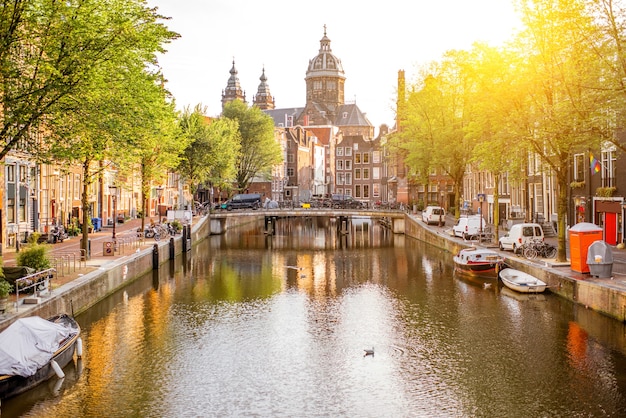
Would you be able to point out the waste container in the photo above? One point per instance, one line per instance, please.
(600, 259)
(97, 224)
(88, 249)
(581, 236)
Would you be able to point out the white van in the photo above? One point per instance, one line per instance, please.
(469, 226)
(519, 234)
(434, 215)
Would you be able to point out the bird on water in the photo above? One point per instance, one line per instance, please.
(368, 352)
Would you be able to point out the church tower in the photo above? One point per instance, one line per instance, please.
(233, 88)
(263, 99)
(325, 82)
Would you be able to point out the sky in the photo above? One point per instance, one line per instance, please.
(373, 40)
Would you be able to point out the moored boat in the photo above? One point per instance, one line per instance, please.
(33, 349)
(521, 281)
(478, 261)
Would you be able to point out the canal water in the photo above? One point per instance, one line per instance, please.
(251, 324)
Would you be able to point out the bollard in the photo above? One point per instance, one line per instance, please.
(184, 238)
(188, 237)
(172, 249)
(155, 257)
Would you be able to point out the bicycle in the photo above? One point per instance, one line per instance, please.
(533, 249)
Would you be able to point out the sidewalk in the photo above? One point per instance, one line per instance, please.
(97, 259)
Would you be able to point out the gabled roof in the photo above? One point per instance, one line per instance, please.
(351, 115)
(282, 117)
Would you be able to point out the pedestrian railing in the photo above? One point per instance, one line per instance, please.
(37, 283)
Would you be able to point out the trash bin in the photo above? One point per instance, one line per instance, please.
(581, 236)
(88, 255)
(600, 259)
(97, 224)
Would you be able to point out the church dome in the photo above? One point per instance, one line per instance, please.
(325, 63)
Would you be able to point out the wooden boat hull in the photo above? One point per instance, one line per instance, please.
(521, 282)
(478, 262)
(14, 385)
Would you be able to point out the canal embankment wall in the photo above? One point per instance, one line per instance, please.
(606, 296)
(82, 293)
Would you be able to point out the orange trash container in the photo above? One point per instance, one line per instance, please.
(581, 236)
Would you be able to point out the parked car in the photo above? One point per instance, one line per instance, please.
(342, 201)
(243, 201)
(519, 234)
(469, 226)
(434, 215)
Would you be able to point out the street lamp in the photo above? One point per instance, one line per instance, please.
(159, 191)
(113, 193)
(441, 220)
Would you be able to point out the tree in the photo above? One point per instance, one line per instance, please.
(561, 114)
(498, 93)
(211, 155)
(50, 49)
(259, 149)
(438, 113)
(117, 102)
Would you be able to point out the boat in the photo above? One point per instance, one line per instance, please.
(478, 261)
(34, 349)
(521, 282)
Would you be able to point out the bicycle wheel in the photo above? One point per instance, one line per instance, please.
(530, 253)
(551, 252)
(157, 236)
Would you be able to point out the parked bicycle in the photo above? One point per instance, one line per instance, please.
(533, 249)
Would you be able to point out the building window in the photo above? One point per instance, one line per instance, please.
(347, 192)
(366, 191)
(348, 178)
(357, 191)
(366, 158)
(11, 173)
(357, 174)
(22, 210)
(76, 186)
(579, 167)
(23, 173)
(340, 179)
(290, 158)
(376, 157)
(11, 210)
(376, 190)
(339, 164)
(290, 172)
(366, 174)
(357, 158)
(608, 167)
(348, 164)
(339, 151)
(348, 151)
(376, 173)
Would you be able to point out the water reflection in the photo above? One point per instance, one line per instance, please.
(243, 328)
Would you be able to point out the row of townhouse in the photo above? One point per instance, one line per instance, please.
(37, 197)
(595, 194)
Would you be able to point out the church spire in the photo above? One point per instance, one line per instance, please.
(233, 89)
(263, 99)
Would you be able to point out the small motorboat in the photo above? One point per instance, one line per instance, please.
(478, 261)
(34, 349)
(521, 281)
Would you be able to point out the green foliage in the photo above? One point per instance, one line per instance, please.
(34, 256)
(5, 288)
(260, 151)
(34, 238)
(605, 191)
(211, 154)
(177, 225)
(51, 50)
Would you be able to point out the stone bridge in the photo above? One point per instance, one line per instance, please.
(220, 220)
